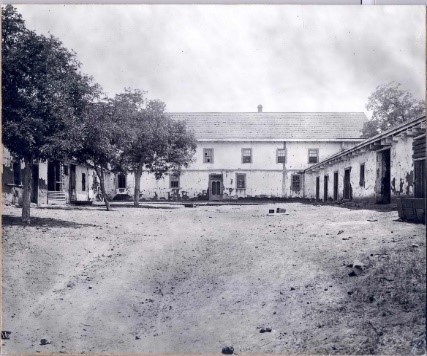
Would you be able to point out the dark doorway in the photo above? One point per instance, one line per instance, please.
(215, 186)
(419, 179)
(385, 177)
(325, 188)
(335, 186)
(347, 185)
(121, 181)
(317, 188)
(35, 184)
(54, 182)
(73, 195)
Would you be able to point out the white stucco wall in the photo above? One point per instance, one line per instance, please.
(264, 176)
(401, 171)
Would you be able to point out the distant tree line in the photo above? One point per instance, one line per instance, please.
(51, 110)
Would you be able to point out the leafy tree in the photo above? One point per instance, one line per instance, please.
(390, 106)
(153, 141)
(42, 91)
(96, 141)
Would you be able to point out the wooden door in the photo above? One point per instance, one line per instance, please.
(335, 186)
(385, 178)
(72, 185)
(35, 184)
(419, 179)
(215, 187)
(347, 185)
(325, 188)
(317, 188)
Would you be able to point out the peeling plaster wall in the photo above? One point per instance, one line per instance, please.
(401, 166)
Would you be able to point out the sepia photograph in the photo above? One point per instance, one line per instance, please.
(222, 179)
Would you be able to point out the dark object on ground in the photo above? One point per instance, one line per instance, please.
(372, 220)
(265, 330)
(44, 342)
(280, 210)
(81, 202)
(271, 211)
(137, 337)
(292, 288)
(190, 205)
(411, 209)
(340, 232)
(228, 350)
(352, 274)
(5, 335)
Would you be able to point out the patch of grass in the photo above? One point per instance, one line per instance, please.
(389, 301)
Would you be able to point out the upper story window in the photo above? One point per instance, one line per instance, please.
(362, 175)
(246, 155)
(281, 155)
(313, 155)
(174, 180)
(208, 155)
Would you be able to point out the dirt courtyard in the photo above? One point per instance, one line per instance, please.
(194, 280)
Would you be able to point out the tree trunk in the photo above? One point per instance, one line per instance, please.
(100, 173)
(138, 174)
(26, 195)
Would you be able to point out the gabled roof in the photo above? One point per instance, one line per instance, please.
(273, 126)
(382, 140)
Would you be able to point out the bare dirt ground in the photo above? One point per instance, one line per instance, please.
(325, 279)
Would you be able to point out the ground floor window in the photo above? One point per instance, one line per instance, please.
(296, 182)
(174, 180)
(362, 175)
(240, 181)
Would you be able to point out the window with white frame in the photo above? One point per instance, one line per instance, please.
(313, 155)
(174, 180)
(208, 155)
(240, 181)
(281, 155)
(246, 155)
(296, 182)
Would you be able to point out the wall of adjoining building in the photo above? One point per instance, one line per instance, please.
(11, 192)
(402, 167)
(401, 174)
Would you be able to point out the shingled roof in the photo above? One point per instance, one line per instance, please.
(273, 126)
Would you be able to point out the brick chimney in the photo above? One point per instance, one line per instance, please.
(259, 108)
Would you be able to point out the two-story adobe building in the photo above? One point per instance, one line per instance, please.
(252, 154)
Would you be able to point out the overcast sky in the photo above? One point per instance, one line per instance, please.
(232, 58)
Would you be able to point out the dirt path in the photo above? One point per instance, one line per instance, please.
(189, 279)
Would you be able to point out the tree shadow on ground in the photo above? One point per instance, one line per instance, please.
(9, 220)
